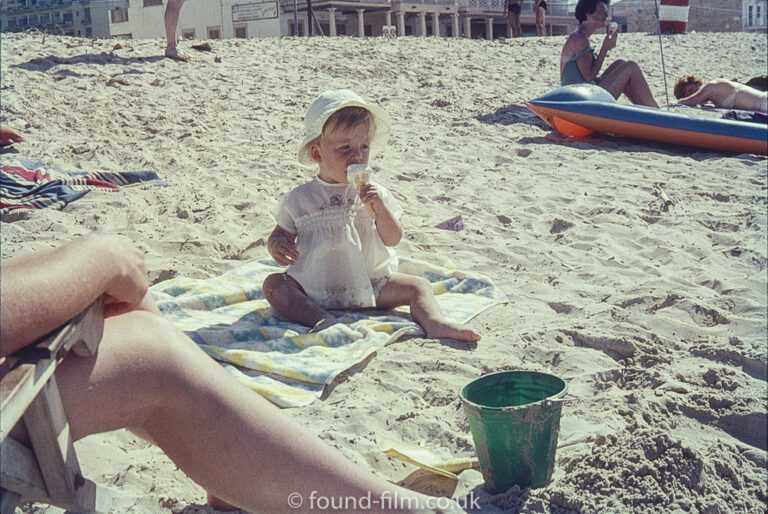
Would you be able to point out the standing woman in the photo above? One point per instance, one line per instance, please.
(540, 10)
(579, 64)
(512, 10)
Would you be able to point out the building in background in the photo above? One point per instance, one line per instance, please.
(143, 19)
(208, 19)
(478, 19)
(703, 15)
(214, 19)
(64, 17)
(753, 16)
(199, 19)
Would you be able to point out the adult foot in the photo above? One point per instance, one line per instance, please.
(452, 331)
(175, 53)
(220, 505)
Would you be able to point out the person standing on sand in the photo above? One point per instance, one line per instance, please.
(540, 11)
(579, 64)
(171, 18)
(338, 240)
(512, 10)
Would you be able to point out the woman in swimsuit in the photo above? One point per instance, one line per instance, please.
(512, 10)
(724, 94)
(579, 64)
(539, 10)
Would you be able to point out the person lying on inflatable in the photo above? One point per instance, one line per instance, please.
(723, 94)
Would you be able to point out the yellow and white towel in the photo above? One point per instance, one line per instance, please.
(230, 319)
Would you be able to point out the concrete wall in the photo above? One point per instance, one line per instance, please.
(198, 17)
(703, 15)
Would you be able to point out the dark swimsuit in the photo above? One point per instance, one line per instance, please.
(514, 8)
(571, 73)
(543, 5)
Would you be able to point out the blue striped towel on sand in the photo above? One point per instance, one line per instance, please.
(230, 319)
(28, 184)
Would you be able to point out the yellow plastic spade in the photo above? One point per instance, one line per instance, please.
(424, 457)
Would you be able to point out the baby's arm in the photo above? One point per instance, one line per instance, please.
(281, 245)
(389, 228)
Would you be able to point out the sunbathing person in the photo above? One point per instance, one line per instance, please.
(149, 377)
(723, 94)
(579, 64)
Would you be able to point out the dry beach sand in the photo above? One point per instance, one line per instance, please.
(654, 313)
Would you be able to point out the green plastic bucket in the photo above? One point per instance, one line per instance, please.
(514, 424)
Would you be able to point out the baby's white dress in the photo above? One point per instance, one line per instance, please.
(341, 256)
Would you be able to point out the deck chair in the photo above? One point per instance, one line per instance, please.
(49, 471)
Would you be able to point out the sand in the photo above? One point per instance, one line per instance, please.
(653, 311)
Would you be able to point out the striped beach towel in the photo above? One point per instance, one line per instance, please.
(230, 319)
(28, 184)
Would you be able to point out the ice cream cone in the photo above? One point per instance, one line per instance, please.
(359, 175)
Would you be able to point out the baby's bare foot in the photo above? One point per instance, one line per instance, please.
(452, 331)
(323, 324)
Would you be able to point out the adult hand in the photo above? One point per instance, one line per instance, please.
(125, 267)
(609, 43)
(8, 136)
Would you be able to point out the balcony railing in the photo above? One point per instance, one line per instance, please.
(554, 7)
(302, 3)
(451, 3)
(493, 6)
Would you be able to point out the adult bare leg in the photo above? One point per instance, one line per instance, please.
(151, 378)
(416, 292)
(627, 77)
(288, 298)
(171, 19)
(540, 13)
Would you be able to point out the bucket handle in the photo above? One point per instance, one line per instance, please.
(567, 398)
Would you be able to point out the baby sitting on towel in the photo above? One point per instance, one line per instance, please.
(338, 242)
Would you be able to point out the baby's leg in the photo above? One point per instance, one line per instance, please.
(287, 297)
(416, 292)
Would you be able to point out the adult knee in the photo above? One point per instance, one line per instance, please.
(148, 334)
(633, 67)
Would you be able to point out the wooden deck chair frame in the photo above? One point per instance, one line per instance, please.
(48, 472)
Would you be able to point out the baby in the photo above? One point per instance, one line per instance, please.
(338, 242)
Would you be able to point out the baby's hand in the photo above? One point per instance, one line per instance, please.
(282, 248)
(369, 194)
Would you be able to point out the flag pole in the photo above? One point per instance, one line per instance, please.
(661, 49)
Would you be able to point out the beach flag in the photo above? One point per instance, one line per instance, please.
(673, 16)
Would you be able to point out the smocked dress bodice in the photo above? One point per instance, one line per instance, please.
(340, 250)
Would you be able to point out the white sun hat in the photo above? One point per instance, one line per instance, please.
(328, 103)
